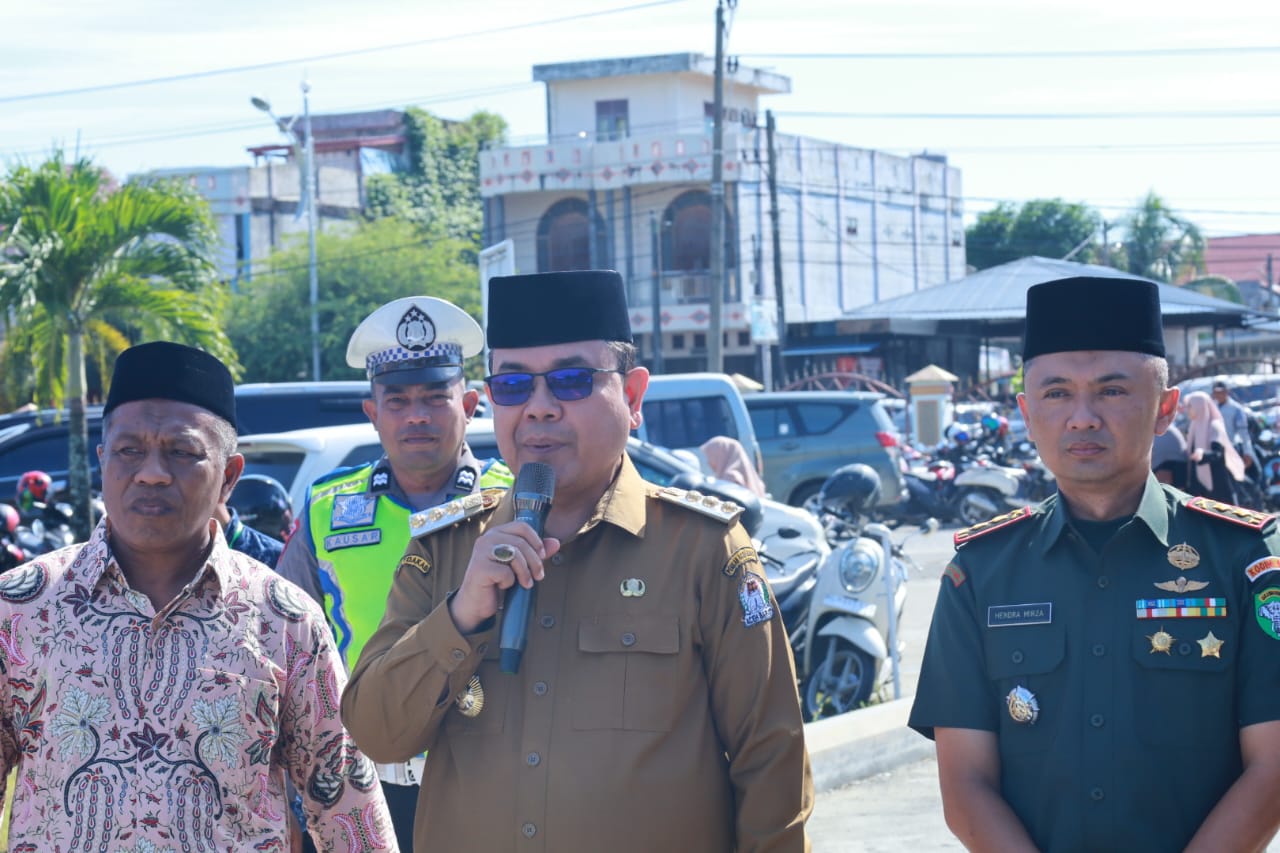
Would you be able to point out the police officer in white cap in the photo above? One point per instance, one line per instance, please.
(355, 526)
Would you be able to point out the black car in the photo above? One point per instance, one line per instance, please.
(38, 441)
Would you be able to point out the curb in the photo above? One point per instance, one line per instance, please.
(863, 743)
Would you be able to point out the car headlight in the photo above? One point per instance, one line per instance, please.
(857, 569)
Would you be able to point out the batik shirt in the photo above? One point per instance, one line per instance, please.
(133, 730)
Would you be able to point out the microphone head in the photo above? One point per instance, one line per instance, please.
(536, 478)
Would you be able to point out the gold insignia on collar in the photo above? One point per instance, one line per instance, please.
(1181, 584)
(1210, 646)
(631, 588)
(1183, 557)
(471, 701)
(1161, 641)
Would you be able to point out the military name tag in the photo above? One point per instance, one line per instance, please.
(338, 541)
(1007, 615)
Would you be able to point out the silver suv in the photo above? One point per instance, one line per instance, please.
(805, 435)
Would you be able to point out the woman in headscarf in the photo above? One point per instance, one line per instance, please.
(1215, 465)
(729, 460)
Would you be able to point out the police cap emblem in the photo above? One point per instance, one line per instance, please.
(415, 332)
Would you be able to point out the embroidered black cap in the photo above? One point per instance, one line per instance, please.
(1093, 313)
(557, 308)
(164, 370)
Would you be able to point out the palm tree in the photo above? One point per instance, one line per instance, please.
(1160, 244)
(86, 268)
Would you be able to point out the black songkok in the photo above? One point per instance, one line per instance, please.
(1093, 313)
(163, 370)
(557, 308)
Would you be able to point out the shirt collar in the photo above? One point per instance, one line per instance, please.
(623, 503)
(216, 565)
(1152, 511)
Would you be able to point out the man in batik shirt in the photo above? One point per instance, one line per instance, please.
(157, 687)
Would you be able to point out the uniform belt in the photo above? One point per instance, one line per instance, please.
(404, 773)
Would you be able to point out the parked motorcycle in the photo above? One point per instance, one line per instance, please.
(851, 626)
(986, 490)
(11, 555)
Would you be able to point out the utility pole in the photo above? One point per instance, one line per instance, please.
(715, 337)
(776, 235)
(656, 243)
(312, 224)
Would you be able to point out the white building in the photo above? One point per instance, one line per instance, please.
(627, 167)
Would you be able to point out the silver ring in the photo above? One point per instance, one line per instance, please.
(503, 553)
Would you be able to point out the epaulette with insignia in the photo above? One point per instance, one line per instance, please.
(1249, 518)
(709, 505)
(449, 514)
(968, 534)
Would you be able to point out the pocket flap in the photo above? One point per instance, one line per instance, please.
(1028, 650)
(653, 633)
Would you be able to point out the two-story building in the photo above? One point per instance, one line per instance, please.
(623, 181)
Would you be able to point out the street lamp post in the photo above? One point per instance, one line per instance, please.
(305, 144)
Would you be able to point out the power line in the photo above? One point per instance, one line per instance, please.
(1029, 54)
(1063, 116)
(325, 57)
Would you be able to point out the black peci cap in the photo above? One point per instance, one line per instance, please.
(557, 308)
(1093, 313)
(163, 370)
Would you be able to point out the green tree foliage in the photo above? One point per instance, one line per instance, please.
(440, 190)
(1159, 243)
(1049, 228)
(377, 262)
(86, 269)
(1218, 286)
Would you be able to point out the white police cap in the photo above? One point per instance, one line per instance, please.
(417, 340)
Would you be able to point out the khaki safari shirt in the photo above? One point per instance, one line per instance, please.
(647, 714)
(1138, 666)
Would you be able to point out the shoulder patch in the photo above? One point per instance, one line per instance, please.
(453, 512)
(415, 561)
(708, 505)
(954, 573)
(968, 534)
(1250, 518)
(743, 559)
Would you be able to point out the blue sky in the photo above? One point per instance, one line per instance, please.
(1203, 131)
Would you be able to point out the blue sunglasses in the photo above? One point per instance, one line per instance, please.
(565, 384)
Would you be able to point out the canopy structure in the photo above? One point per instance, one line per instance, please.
(992, 303)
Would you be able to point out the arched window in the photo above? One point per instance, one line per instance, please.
(686, 243)
(564, 238)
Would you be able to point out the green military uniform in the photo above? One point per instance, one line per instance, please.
(655, 708)
(1116, 682)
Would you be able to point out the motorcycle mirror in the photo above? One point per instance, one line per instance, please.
(930, 526)
(788, 532)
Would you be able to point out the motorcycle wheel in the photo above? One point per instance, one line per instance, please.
(841, 682)
(975, 508)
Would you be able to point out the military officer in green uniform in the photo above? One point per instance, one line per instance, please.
(655, 708)
(1103, 671)
(355, 526)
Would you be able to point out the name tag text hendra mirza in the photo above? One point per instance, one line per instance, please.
(1005, 615)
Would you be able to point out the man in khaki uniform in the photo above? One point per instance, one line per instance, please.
(655, 707)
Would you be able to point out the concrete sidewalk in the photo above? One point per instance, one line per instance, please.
(862, 743)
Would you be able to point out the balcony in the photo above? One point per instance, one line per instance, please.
(586, 165)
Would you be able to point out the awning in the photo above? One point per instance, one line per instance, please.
(830, 349)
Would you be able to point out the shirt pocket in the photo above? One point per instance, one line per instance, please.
(628, 673)
(234, 722)
(1030, 657)
(1181, 692)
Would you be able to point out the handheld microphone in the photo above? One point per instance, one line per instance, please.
(534, 486)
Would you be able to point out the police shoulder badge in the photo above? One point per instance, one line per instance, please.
(991, 525)
(1249, 518)
(415, 331)
(708, 505)
(757, 603)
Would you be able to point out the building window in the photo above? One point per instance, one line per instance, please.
(564, 238)
(686, 241)
(699, 341)
(709, 117)
(611, 120)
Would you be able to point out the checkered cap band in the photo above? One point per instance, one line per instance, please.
(399, 358)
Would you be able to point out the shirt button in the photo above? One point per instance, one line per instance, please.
(533, 759)
(1099, 650)
(548, 621)
(628, 639)
(459, 654)
(557, 560)
(1097, 720)
(1097, 795)
(1184, 649)
(1017, 656)
(1102, 582)
(539, 688)
(529, 830)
